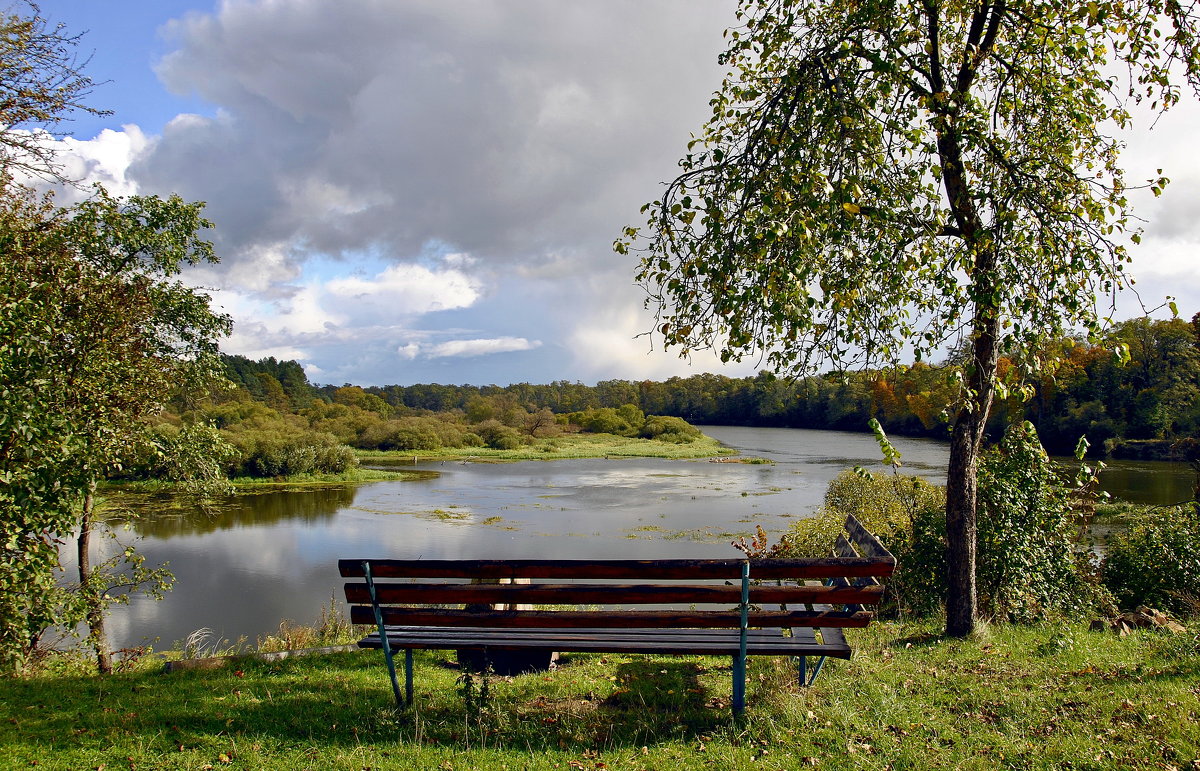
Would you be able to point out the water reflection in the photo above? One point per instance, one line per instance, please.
(1158, 483)
(167, 515)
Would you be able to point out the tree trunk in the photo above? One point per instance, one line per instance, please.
(93, 603)
(962, 484)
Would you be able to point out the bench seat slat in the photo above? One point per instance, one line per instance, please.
(608, 594)
(671, 569)
(602, 640)
(659, 619)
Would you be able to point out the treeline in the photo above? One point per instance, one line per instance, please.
(1142, 383)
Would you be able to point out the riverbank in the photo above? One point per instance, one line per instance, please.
(293, 482)
(1177, 450)
(1054, 696)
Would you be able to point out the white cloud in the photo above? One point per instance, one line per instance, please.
(614, 340)
(105, 159)
(481, 347)
(409, 289)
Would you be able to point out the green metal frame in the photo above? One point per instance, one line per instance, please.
(407, 699)
(739, 661)
(802, 670)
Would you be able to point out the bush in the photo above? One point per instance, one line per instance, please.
(287, 453)
(195, 455)
(498, 436)
(905, 512)
(665, 428)
(604, 420)
(1029, 565)
(424, 432)
(1156, 562)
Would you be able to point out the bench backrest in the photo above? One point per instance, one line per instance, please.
(782, 592)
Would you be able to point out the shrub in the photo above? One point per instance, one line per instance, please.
(665, 428)
(603, 420)
(418, 432)
(905, 512)
(287, 453)
(1029, 565)
(498, 436)
(1156, 562)
(195, 455)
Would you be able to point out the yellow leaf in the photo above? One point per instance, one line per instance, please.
(851, 207)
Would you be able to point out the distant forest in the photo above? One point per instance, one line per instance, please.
(1152, 394)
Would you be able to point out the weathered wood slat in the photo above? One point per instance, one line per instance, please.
(677, 569)
(867, 543)
(611, 635)
(832, 636)
(843, 548)
(668, 641)
(606, 594)
(549, 619)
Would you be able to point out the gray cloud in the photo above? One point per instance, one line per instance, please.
(524, 134)
(507, 130)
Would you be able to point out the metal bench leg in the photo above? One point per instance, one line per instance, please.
(802, 670)
(816, 670)
(387, 646)
(408, 676)
(739, 661)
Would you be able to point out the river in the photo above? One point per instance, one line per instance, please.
(244, 563)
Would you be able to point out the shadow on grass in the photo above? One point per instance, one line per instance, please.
(189, 708)
(922, 640)
(643, 701)
(343, 700)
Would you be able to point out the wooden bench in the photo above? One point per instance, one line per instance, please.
(731, 607)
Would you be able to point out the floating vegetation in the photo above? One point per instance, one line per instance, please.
(447, 516)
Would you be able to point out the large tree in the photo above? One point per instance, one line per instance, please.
(881, 178)
(96, 332)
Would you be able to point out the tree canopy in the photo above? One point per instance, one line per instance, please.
(41, 84)
(96, 335)
(886, 177)
(96, 331)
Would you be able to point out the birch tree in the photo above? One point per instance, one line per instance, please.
(882, 178)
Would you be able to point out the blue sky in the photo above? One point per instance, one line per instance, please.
(426, 191)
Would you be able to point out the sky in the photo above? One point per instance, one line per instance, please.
(428, 191)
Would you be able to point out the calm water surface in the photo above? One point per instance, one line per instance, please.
(243, 564)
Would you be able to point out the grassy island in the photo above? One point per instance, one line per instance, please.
(562, 447)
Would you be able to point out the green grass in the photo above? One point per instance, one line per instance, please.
(560, 448)
(1015, 697)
